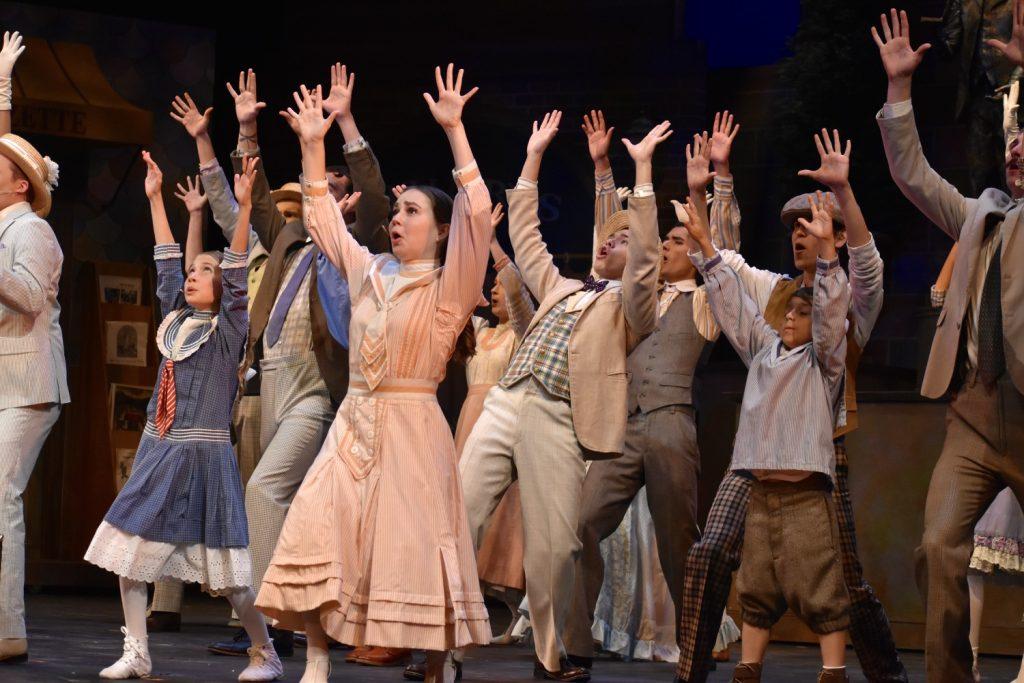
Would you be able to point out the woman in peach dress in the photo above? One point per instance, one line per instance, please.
(376, 549)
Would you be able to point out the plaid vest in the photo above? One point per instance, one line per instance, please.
(545, 352)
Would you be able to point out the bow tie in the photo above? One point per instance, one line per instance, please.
(592, 285)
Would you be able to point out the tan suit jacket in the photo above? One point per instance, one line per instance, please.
(964, 219)
(609, 326)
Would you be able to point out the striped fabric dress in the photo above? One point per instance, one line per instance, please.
(181, 514)
(376, 538)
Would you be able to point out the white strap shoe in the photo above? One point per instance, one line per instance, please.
(264, 664)
(318, 670)
(134, 663)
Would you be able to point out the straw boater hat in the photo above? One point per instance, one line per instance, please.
(800, 207)
(42, 173)
(616, 222)
(289, 192)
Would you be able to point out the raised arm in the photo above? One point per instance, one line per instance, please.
(215, 181)
(698, 172)
(936, 198)
(9, 54)
(234, 308)
(470, 233)
(737, 314)
(167, 252)
(372, 211)
(266, 220)
(606, 200)
(320, 212)
(831, 297)
(195, 203)
(517, 298)
(531, 254)
(865, 261)
(640, 277)
(725, 210)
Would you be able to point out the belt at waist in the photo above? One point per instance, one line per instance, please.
(393, 387)
(481, 388)
(189, 434)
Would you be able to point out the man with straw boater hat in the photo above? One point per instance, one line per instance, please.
(33, 378)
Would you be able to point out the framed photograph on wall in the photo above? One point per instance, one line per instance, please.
(128, 407)
(126, 342)
(115, 289)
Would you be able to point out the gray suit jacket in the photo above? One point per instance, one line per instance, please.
(32, 368)
(964, 219)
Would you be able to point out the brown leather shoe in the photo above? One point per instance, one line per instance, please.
(13, 650)
(747, 673)
(163, 622)
(358, 653)
(384, 656)
(833, 676)
(566, 672)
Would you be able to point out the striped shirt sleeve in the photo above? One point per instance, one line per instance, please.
(169, 278)
(725, 216)
(233, 320)
(736, 313)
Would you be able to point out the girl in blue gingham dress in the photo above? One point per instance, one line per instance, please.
(181, 514)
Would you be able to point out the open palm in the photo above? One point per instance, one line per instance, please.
(898, 58)
(447, 109)
(834, 168)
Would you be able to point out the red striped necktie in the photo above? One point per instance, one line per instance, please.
(166, 399)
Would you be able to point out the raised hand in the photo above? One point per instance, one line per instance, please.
(698, 163)
(497, 213)
(192, 196)
(12, 49)
(696, 226)
(643, 151)
(1011, 101)
(1014, 49)
(397, 190)
(599, 138)
(348, 203)
(154, 176)
(247, 106)
(187, 114)
(339, 99)
(723, 132)
(544, 133)
(447, 110)
(308, 122)
(898, 58)
(820, 224)
(244, 181)
(834, 170)
(624, 193)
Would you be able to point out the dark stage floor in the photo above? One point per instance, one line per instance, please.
(72, 637)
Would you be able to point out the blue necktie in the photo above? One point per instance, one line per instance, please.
(284, 302)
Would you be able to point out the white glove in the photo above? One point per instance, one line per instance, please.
(10, 52)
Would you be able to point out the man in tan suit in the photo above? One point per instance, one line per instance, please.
(977, 352)
(563, 399)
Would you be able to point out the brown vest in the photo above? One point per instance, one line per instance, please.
(661, 366)
(775, 315)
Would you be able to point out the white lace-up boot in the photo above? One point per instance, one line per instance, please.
(264, 664)
(135, 661)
